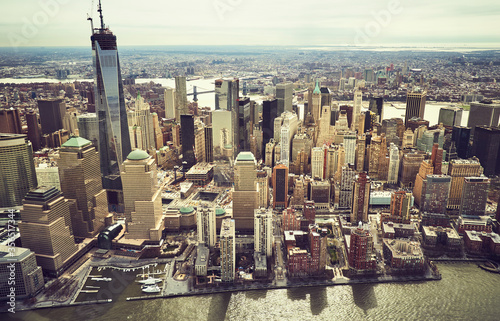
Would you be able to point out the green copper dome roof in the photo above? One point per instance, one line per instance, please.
(220, 211)
(245, 156)
(137, 154)
(317, 90)
(186, 210)
(76, 141)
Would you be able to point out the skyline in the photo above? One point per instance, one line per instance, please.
(236, 22)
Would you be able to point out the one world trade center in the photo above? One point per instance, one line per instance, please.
(114, 140)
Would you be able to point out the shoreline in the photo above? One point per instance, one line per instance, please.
(253, 287)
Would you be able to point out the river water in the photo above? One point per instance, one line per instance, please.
(464, 293)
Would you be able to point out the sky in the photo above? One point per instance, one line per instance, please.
(253, 22)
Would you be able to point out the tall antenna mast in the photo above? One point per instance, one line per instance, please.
(100, 15)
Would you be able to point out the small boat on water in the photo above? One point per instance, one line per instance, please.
(150, 288)
(101, 279)
(89, 291)
(92, 287)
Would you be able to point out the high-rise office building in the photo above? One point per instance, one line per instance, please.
(361, 254)
(141, 119)
(46, 229)
(269, 113)
(28, 275)
(81, 181)
(377, 107)
(88, 128)
(244, 124)
(226, 98)
(114, 138)
(360, 198)
(360, 153)
(459, 169)
(142, 197)
(187, 134)
(34, 130)
(169, 100)
(415, 105)
(209, 146)
(181, 103)
(410, 165)
(17, 170)
(325, 127)
(263, 231)
(435, 194)
(10, 121)
(346, 187)
(484, 113)
(227, 250)
(474, 196)
(450, 116)
(205, 225)
(318, 162)
(392, 176)
(461, 137)
(280, 186)
(245, 194)
(263, 188)
(284, 97)
(315, 104)
(401, 205)
(358, 101)
(350, 148)
(288, 130)
(426, 168)
(52, 112)
(486, 147)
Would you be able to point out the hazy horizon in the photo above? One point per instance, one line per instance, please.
(47, 23)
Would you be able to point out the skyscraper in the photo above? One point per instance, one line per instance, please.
(245, 195)
(10, 121)
(263, 231)
(34, 130)
(392, 176)
(226, 97)
(400, 205)
(284, 96)
(209, 146)
(52, 112)
(142, 197)
(415, 105)
(461, 137)
(458, 170)
(486, 147)
(169, 100)
(450, 116)
(435, 194)
(318, 159)
(361, 255)
(81, 181)
(377, 106)
(269, 113)
(280, 186)
(483, 113)
(17, 170)
(227, 250)
(288, 130)
(358, 101)
(141, 117)
(181, 104)
(221, 119)
(361, 198)
(187, 134)
(88, 127)
(205, 225)
(315, 103)
(114, 138)
(474, 196)
(46, 229)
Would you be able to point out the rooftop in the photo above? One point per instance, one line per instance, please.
(137, 154)
(76, 141)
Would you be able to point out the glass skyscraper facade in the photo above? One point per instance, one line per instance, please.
(114, 139)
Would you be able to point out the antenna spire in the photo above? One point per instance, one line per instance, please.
(100, 15)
